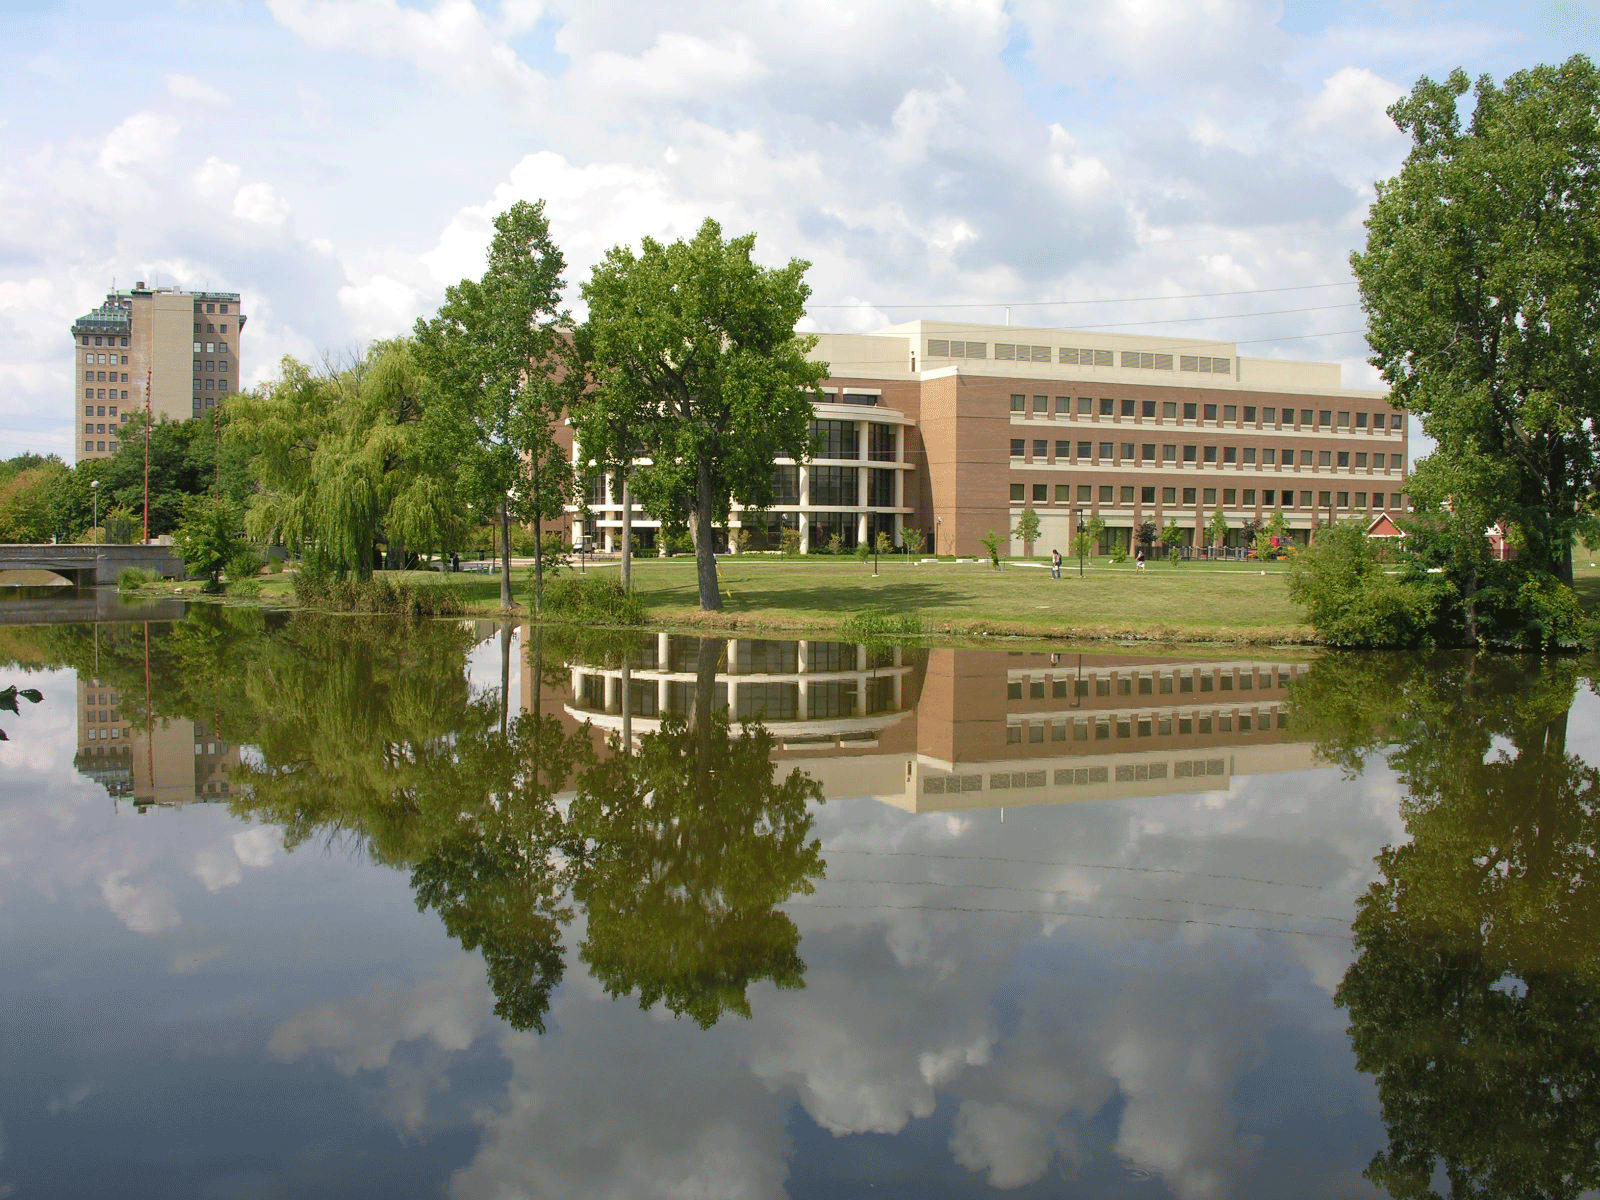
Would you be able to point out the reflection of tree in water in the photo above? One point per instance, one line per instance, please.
(688, 846)
(369, 731)
(1475, 995)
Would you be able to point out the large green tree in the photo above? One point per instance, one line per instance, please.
(693, 345)
(343, 461)
(500, 353)
(1478, 279)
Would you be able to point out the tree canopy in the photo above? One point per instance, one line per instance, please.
(1478, 283)
(499, 354)
(693, 346)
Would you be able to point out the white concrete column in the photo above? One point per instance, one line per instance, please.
(861, 528)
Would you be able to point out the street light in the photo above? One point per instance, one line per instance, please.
(94, 491)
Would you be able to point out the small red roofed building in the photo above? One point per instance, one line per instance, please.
(1500, 543)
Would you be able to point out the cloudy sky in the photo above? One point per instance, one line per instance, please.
(338, 161)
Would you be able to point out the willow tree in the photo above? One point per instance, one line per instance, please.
(1478, 280)
(693, 346)
(342, 461)
(499, 351)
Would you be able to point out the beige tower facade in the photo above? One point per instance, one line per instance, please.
(185, 345)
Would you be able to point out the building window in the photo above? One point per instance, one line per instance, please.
(1041, 404)
(1397, 461)
(1108, 408)
(1147, 495)
(1361, 420)
(882, 442)
(834, 487)
(1063, 405)
(1249, 455)
(1325, 417)
(1324, 458)
(1211, 412)
(1018, 403)
(88, 446)
(880, 488)
(1230, 454)
(1249, 414)
(1127, 451)
(1018, 447)
(1344, 499)
(1188, 495)
(1344, 458)
(835, 439)
(1230, 412)
(1210, 454)
(1361, 459)
(1085, 493)
(1305, 499)
(1148, 408)
(88, 410)
(1085, 450)
(1127, 495)
(1377, 499)
(1169, 495)
(1189, 411)
(1063, 449)
(1147, 452)
(1230, 496)
(1107, 451)
(211, 308)
(1016, 493)
(1063, 493)
(1189, 453)
(1041, 448)
(1269, 416)
(1269, 497)
(1169, 454)
(1325, 499)
(1041, 493)
(1208, 496)
(222, 347)
(1249, 497)
(1127, 408)
(1105, 494)
(1085, 405)
(1361, 499)
(1305, 458)
(1269, 457)
(1169, 410)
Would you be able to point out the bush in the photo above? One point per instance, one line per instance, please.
(1118, 553)
(130, 579)
(597, 599)
(318, 589)
(789, 542)
(991, 543)
(877, 624)
(1351, 601)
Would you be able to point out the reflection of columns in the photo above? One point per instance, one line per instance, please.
(802, 656)
(861, 529)
(613, 698)
(802, 701)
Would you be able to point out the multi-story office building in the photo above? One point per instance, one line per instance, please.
(184, 344)
(957, 428)
(150, 766)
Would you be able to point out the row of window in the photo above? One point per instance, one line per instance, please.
(1109, 453)
(223, 328)
(212, 347)
(1323, 418)
(101, 393)
(100, 377)
(211, 307)
(100, 427)
(103, 340)
(221, 385)
(210, 364)
(1149, 726)
(100, 359)
(91, 410)
(93, 446)
(1231, 497)
(1156, 683)
(199, 407)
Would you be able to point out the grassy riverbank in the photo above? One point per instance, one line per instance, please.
(1196, 601)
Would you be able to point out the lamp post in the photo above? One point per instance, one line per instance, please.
(1077, 536)
(938, 540)
(94, 491)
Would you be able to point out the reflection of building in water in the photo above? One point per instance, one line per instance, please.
(808, 693)
(177, 762)
(984, 729)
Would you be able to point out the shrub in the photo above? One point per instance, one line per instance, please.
(991, 543)
(789, 542)
(592, 599)
(878, 624)
(863, 551)
(132, 578)
(1118, 553)
(314, 588)
(1350, 600)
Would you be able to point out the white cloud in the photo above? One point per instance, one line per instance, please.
(144, 141)
(187, 87)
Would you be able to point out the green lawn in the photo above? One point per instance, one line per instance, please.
(1191, 601)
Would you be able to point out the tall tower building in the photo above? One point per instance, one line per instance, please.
(186, 344)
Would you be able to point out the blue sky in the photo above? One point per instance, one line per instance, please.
(338, 163)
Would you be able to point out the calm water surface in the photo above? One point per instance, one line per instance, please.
(309, 907)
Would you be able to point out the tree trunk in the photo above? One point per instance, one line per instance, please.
(705, 559)
(627, 534)
(1469, 605)
(538, 563)
(505, 555)
(505, 676)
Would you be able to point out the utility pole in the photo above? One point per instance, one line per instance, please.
(148, 377)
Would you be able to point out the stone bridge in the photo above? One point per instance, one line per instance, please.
(87, 565)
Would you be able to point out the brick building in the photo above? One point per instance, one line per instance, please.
(957, 428)
(186, 344)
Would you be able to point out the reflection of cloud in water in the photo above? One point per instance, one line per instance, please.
(143, 905)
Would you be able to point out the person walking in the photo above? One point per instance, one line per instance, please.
(1138, 559)
(1055, 564)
